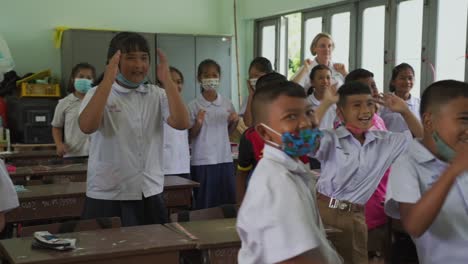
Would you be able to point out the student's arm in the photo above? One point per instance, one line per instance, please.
(396, 104)
(91, 116)
(248, 120)
(57, 134)
(197, 125)
(241, 183)
(330, 98)
(418, 217)
(233, 120)
(178, 114)
(245, 161)
(303, 73)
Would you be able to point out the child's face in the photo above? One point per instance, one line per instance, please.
(254, 73)
(371, 83)
(324, 47)
(288, 114)
(321, 81)
(358, 110)
(177, 79)
(210, 72)
(134, 65)
(450, 122)
(404, 81)
(85, 74)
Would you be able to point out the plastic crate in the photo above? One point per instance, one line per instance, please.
(39, 90)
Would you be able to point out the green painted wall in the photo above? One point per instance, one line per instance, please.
(27, 25)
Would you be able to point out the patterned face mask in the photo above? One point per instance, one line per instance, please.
(297, 144)
(210, 84)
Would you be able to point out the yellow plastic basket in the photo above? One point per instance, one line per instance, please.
(39, 90)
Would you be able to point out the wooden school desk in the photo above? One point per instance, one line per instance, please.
(216, 239)
(55, 201)
(127, 245)
(31, 157)
(50, 173)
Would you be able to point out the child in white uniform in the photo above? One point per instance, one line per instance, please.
(75, 143)
(125, 117)
(176, 144)
(8, 196)
(428, 186)
(213, 118)
(279, 221)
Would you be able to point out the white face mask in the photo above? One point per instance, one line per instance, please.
(253, 82)
(210, 83)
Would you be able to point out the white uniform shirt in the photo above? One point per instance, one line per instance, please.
(335, 75)
(279, 218)
(394, 121)
(212, 145)
(351, 171)
(329, 118)
(8, 196)
(176, 151)
(126, 152)
(66, 116)
(446, 240)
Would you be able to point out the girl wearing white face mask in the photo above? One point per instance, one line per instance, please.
(75, 143)
(213, 118)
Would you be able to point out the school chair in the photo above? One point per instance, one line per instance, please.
(73, 226)
(223, 211)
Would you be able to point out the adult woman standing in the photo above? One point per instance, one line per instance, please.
(321, 47)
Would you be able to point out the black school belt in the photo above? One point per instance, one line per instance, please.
(341, 205)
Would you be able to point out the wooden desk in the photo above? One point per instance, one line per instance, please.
(55, 201)
(51, 173)
(29, 158)
(128, 245)
(217, 239)
(49, 201)
(178, 193)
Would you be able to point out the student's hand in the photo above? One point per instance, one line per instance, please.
(62, 149)
(341, 68)
(162, 69)
(201, 116)
(112, 68)
(250, 88)
(233, 117)
(331, 95)
(393, 102)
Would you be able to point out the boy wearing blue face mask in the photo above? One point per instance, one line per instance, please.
(75, 143)
(278, 221)
(428, 186)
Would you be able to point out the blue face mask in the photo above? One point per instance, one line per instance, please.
(82, 85)
(298, 144)
(444, 150)
(128, 83)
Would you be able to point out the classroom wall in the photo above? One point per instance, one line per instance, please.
(27, 25)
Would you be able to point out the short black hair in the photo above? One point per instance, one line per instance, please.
(174, 69)
(399, 68)
(358, 74)
(272, 77)
(316, 69)
(441, 93)
(262, 64)
(352, 88)
(207, 63)
(267, 94)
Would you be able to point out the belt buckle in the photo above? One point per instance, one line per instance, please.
(333, 203)
(344, 206)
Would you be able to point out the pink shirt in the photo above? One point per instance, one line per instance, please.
(375, 215)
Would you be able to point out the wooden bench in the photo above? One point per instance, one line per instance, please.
(29, 158)
(129, 245)
(57, 201)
